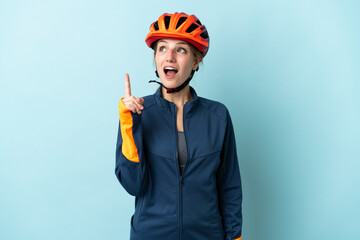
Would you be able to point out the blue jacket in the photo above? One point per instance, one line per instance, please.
(202, 204)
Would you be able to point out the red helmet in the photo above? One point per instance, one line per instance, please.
(182, 27)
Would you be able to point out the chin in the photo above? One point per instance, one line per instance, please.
(171, 83)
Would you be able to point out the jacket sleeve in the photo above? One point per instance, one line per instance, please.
(130, 168)
(229, 185)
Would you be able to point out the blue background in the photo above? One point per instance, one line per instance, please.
(287, 70)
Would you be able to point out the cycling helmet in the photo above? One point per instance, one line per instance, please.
(182, 27)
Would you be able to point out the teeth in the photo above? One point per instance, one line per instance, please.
(169, 68)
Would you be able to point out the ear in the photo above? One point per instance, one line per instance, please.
(196, 63)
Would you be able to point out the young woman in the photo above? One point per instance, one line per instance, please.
(176, 151)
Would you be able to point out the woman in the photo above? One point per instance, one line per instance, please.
(176, 152)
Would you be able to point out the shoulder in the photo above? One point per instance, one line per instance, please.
(214, 107)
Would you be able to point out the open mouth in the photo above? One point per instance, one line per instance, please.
(170, 72)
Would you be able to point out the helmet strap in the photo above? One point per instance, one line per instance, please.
(176, 89)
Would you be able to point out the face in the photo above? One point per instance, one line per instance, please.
(174, 61)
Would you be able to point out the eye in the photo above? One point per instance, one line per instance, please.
(161, 49)
(181, 50)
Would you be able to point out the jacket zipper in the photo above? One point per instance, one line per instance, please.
(181, 217)
(181, 181)
(180, 177)
(186, 163)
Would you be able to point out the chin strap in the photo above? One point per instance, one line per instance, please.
(177, 89)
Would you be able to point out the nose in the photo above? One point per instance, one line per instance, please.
(170, 57)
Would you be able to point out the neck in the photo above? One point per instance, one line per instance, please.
(178, 98)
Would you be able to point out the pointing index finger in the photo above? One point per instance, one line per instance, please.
(127, 85)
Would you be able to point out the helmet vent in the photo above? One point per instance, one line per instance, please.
(167, 21)
(204, 35)
(192, 28)
(198, 22)
(156, 26)
(181, 20)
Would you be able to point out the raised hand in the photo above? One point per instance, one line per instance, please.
(132, 103)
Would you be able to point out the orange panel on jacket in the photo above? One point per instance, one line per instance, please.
(129, 149)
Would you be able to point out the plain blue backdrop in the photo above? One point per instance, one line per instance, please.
(287, 70)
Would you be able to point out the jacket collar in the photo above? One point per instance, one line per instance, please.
(165, 105)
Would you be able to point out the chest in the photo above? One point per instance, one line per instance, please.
(204, 134)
